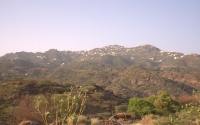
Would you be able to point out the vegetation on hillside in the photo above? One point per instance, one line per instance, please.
(36, 100)
(142, 80)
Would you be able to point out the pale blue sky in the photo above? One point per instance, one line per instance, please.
(39, 25)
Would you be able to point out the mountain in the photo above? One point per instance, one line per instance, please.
(137, 71)
(108, 56)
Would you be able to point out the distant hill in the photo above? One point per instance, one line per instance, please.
(136, 71)
(108, 56)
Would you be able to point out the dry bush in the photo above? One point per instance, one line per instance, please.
(148, 120)
(186, 99)
(82, 119)
(95, 121)
(25, 110)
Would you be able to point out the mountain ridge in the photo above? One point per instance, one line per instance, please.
(144, 55)
(134, 69)
(108, 46)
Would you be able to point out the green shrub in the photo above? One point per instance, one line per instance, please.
(141, 106)
(164, 103)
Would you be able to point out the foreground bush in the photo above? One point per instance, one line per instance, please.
(141, 106)
(174, 120)
(191, 111)
(164, 103)
(61, 108)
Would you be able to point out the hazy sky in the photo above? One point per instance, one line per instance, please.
(39, 25)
